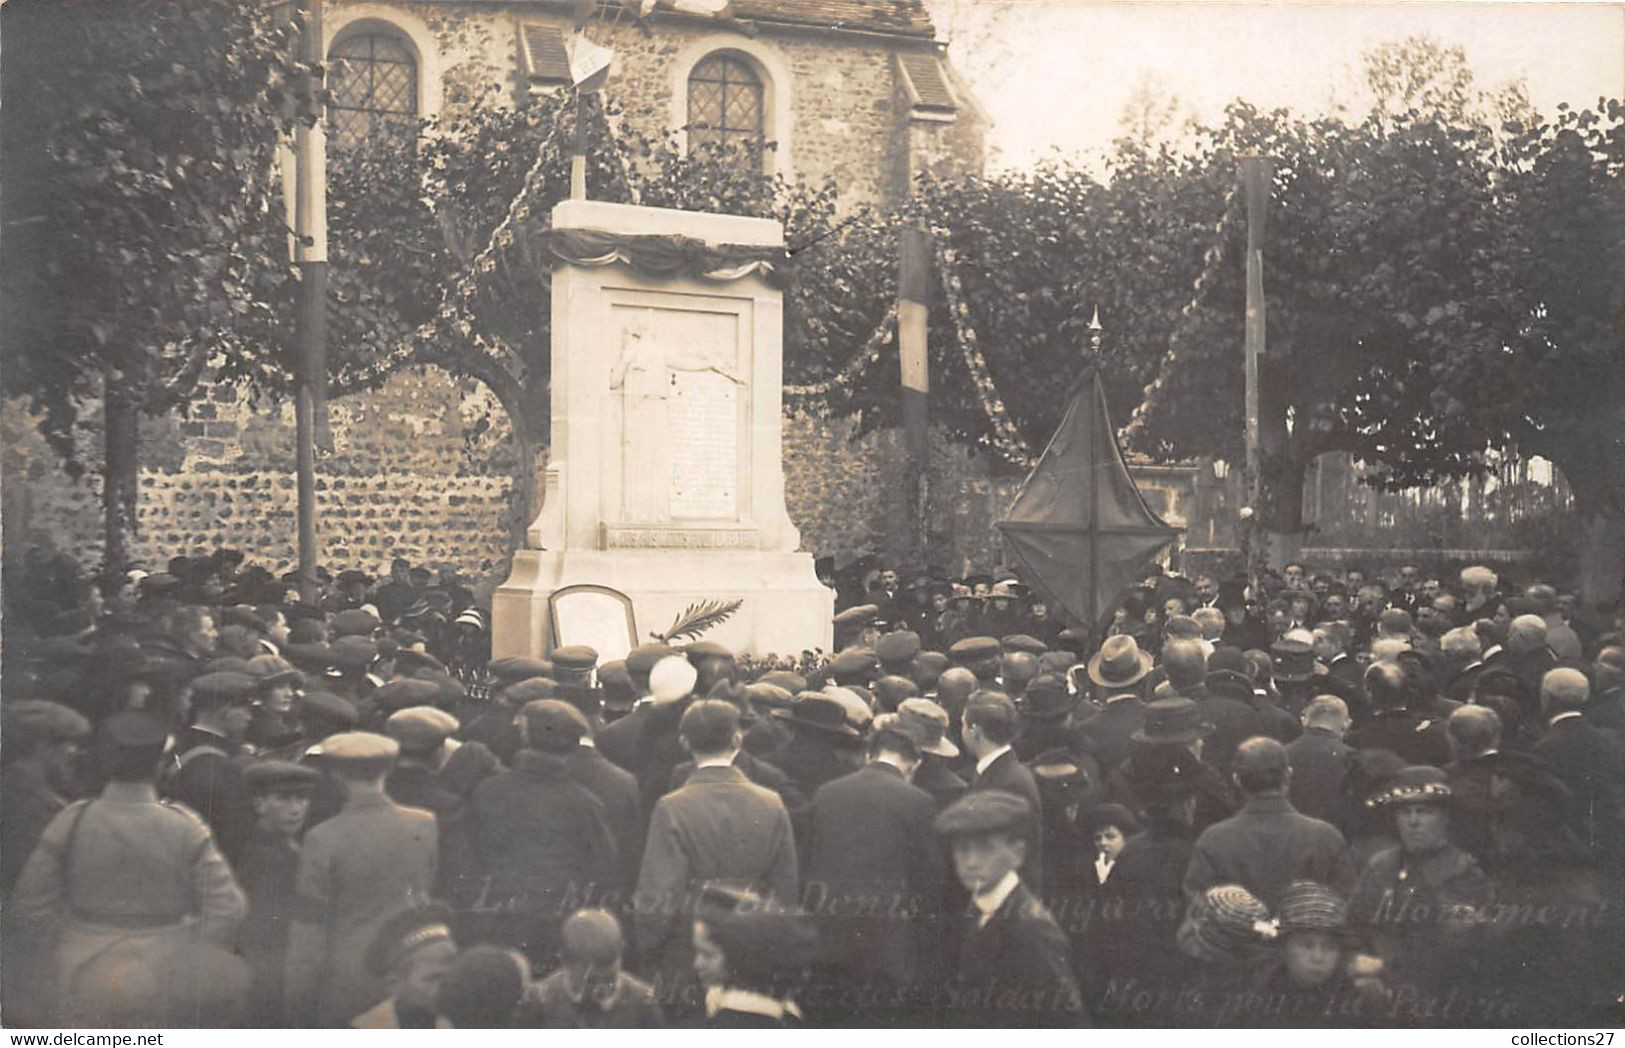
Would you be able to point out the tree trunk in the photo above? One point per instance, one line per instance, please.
(1281, 513)
(522, 502)
(1601, 566)
(121, 463)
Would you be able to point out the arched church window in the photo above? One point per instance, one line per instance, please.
(725, 103)
(373, 77)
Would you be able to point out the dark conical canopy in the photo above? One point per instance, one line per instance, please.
(1079, 523)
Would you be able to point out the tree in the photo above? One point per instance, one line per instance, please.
(146, 243)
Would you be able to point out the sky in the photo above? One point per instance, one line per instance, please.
(1055, 75)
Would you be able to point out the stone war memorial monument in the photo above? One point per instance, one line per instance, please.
(665, 481)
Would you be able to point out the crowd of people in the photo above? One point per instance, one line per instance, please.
(1322, 800)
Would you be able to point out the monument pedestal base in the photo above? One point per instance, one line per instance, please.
(785, 607)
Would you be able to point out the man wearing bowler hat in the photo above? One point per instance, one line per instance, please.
(1046, 709)
(819, 735)
(1012, 968)
(1118, 671)
(1173, 724)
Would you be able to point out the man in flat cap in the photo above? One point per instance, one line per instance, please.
(717, 827)
(41, 742)
(209, 757)
(1013, 968)
(874, 874)
(543, 842)
(123, 891)
(926, 723)
(423, 733)
(355, 870)
(896, 652)
(980, 655)
(280, 794)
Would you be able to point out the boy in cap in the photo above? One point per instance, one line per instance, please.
(1013, 968)
(279, 792)
(410, 954)
(356, 869)
(591, 991)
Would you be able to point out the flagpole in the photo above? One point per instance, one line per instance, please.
(1255, 186)
(1094, 467)
(914, 266)
(578, 145)
(310, 255)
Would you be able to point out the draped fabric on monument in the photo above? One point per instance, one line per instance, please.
(1079, 524)
(667, 256)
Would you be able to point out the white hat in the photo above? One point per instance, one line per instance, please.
(672, 678)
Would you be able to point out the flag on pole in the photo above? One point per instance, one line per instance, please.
(1079, 523)
(589, 63)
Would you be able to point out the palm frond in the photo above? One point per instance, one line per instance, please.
(698, 618)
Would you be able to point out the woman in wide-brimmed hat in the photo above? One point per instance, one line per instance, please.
(1418, 904)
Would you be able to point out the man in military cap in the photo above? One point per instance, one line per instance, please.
(280, 794)
(356, 868)
(1013, 968)
(856, 625)
(410, 952)
(543, 842)
(124, 893)
(41, 742)
(208, 775)
(573, 667)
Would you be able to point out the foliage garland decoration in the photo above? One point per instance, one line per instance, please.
(869, 355)
(1211, 260)
(1006, 439)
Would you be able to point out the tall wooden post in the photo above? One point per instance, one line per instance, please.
(914, 268)
(1255, 176)
(310, 255)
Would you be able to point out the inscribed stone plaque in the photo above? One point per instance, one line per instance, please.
(703, 446)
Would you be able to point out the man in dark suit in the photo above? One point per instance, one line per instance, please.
(717, 827)
(1416, 739)
(990, 726)
(617, 789)
(208, 777)
(543, 843)
(820, 736)
(1267, 844)
(927, 724)
(874, 872)
(1185, 663)
(1319, 760)
(1117, 670)
(1588, 761)
(1606, 707)
(1013, 968)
